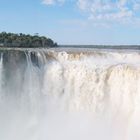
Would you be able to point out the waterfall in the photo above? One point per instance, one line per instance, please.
(69, 94)
(1, 75)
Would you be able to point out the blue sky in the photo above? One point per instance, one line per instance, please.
(74, 21)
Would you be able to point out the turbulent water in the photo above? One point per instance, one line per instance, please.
(69, 94)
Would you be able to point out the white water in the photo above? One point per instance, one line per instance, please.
(72, 96)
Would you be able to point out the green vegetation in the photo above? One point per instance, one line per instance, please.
(26, 41)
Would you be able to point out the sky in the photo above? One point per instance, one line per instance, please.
(80, 22)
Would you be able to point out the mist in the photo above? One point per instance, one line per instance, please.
(59, 95)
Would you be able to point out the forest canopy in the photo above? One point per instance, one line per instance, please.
(26, 41)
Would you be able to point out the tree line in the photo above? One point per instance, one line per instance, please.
(26, 41)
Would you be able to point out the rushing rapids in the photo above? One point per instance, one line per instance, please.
(69, 94)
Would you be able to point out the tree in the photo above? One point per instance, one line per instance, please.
(22, 40)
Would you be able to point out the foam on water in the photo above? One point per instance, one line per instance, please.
(58, 95)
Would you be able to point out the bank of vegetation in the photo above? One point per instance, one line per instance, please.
(26, 41)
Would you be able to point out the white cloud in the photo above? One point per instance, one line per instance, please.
(109, 10)
(136, 6)
(52, 2)
(118, 10)
(48, 2)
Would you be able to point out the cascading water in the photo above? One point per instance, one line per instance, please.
(1, 69)
(69, 94)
